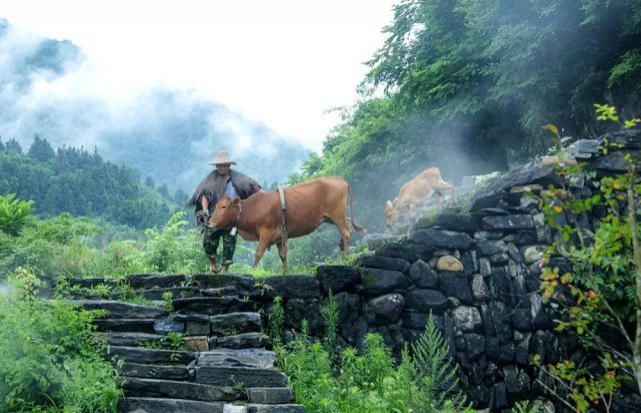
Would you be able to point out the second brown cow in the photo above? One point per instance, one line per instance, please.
(413, 193)
(259, 217)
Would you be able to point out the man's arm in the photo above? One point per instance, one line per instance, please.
(204, 202)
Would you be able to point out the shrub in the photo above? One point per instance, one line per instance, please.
(49, 359)
(370, 381)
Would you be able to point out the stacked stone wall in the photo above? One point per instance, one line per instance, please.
(476, 272)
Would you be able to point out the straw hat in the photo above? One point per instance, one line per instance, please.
(222, 157)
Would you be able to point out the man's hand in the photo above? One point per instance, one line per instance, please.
(202, 216)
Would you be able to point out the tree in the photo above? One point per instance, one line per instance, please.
(12, 145)
(41, 150)
(150, 182)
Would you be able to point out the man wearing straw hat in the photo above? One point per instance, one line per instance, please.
(220, 182)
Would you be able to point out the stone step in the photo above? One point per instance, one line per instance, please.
(275, 408)
(150, 281)
(235, 323)
(142, 355)
(154, 405)
(176, 292)
(247, 376)
(222, 357)
(163, 372)
(137, 325)
(240, 341)
(137, 387)
(212, 305)
(120, 309)
(129, 339)
(270, 395)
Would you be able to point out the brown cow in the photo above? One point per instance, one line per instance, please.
(414, 192)
(259, 217)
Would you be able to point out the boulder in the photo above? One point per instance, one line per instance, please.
(449, 263)
(422, 275)
(456, 285)
(467, 319)
(387, 308)
(441, 239)
(425, 300)
(384, 263)
(377, 282)
(337, 277)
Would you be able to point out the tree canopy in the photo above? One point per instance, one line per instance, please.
(466, 85)
(81, 183)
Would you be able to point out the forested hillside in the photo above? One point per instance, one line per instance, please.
(79, 182)
(466, 86)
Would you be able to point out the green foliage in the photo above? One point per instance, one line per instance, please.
(370, 381)
(600, 288)
(330, 312)
(49, 360)
(13, 214)
(467, 85)
(276, 321)
(75, 181)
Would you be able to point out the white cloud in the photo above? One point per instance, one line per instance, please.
(283, 63)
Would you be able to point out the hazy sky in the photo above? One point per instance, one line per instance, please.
(280, 62)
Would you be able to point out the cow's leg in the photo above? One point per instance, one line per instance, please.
(342, 224)
(282, 253)
(411, 218)
(263, 243)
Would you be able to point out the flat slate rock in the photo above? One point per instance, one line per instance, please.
(121, 309)
(442, 239)
(249, 377)
(235, 323)
(154, 405)
(144, 355)
(244, 340)
(222, 357)
(270, 395)
(149, 281)
(129, 339)
(140, 325)
(275, 408)
(384, 263)
(137, 387)
(163, 372)
(212, 305)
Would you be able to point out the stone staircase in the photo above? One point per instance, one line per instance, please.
(216, 360)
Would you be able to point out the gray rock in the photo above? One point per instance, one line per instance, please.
(442, 239)
(235, 323)
(480, 291)
(387, 308)
(422, 275)
(384, 263)
(424, 301)
(377, 282)
(533, 253)
(507, 223)
(467, 319)
(457, 222)
(499, 259)
(291, 286)
(298, 309)
(270, 395)
(491, 247)
(337, 277)
(348, 307)
(456, 285)
(449, 263)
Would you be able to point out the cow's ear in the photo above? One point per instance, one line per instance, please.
(235, 201)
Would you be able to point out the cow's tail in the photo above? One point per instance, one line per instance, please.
(357, 227)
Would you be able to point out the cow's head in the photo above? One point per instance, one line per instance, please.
(226, 214)
(391, 215)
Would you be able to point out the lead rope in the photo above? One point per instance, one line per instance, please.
(283, 208)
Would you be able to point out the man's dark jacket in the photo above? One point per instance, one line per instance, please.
(214, 185)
